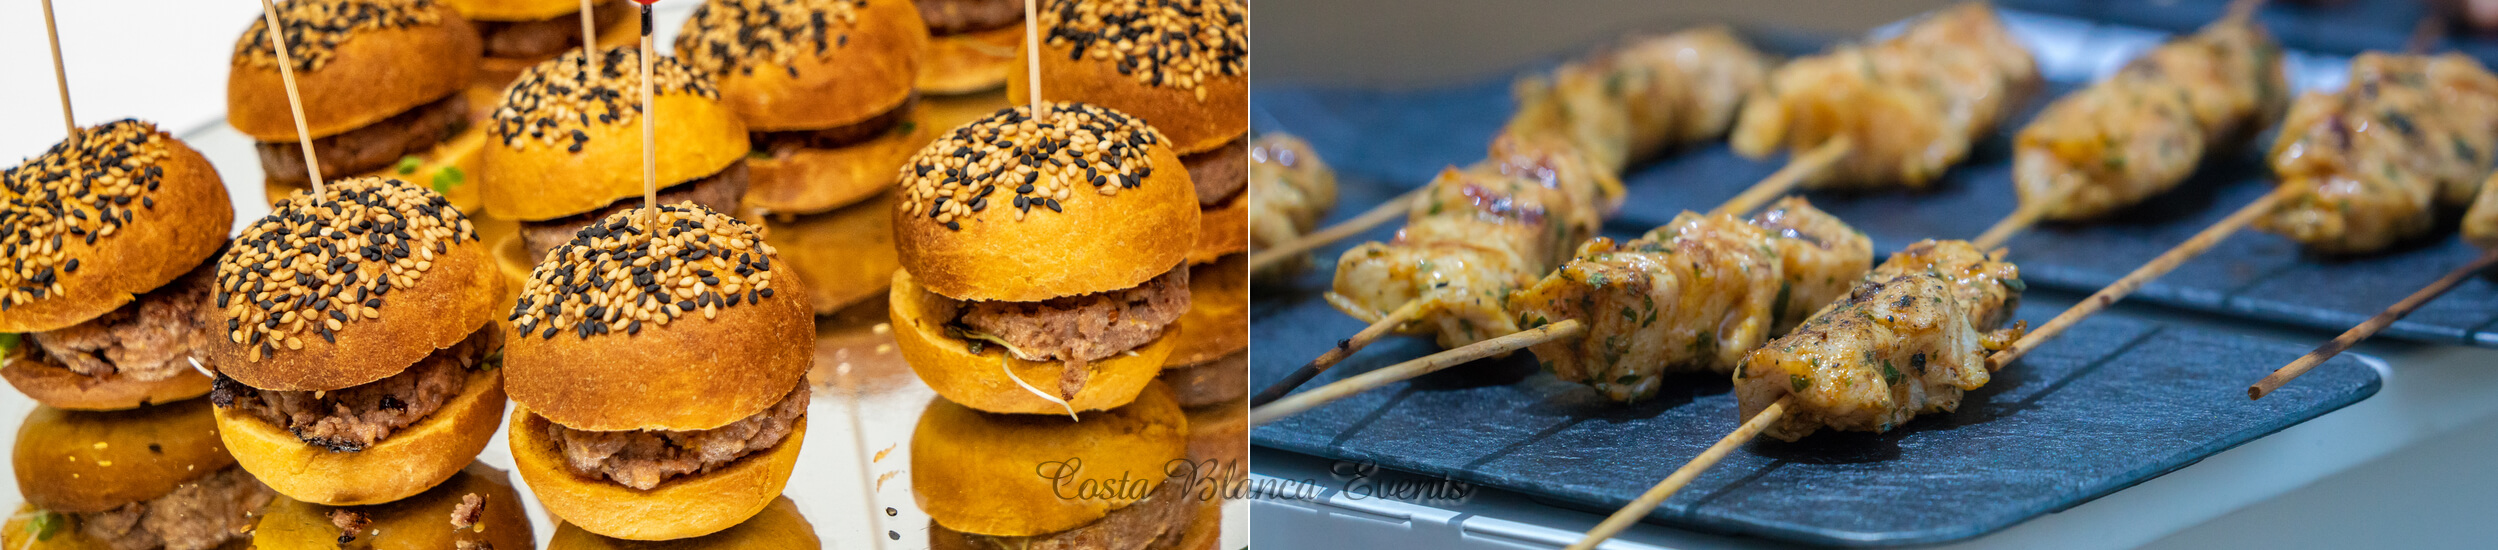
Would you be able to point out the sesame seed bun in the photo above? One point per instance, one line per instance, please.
(809, 180)
(68, 461)
(529, 179)
(370, 75)
(970, 62)
(515, 10)
(447, 303)
(51, 384)
(1218, 311)
(184, 228)
(411, 460)
(865, 70)
(695, 372)
(1194, 123)
(778, 526)
(976, 473)
(844, 256)
(1091, 243)
(420, 522)
(947, 365)
(683, 507)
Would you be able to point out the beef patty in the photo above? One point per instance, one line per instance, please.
(352, 418)
(370, 148)
(946, 17)
(642, 459)
(1158, 522)
(201, 514)
(151, 338)
(1085, 328)
(719, 191)
(1219, 173)
(783, 143)
(545, 38)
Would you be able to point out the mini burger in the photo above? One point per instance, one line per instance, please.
(1183, 67)
(520, 33)
(660, 361)
(971, 44)
(1209, 364)
(108, 237)
(357, 359)
(565, 145)
(777, 527)
(1042, 259)
(824, 87)
(1014, 481)
(146, 478)
(381, 83)
(474, 510)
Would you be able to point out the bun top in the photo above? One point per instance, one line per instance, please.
(113, 212)
(1186, 69)
(1085, 200)
(688, 329)
(80, 461)
(565, 140)
(350, 286)
(515, 10)
(807, 64)
(356, 62)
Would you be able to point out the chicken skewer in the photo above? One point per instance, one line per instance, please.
(2140, 133)
(1290, 187)
(1640, 97)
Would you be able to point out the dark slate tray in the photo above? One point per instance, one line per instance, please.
(2110, 404)
(1384, 142)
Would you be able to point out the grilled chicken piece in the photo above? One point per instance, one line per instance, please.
(2480, 225)
(1693, 295)
(1908, 339)
(2138, 134)
(1912, 105)
(1476, 236)
(1290, 190)
(2366, 167)
(1643, 95)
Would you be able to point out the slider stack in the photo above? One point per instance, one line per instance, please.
(825, 89)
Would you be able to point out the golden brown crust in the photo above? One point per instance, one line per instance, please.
(1097, 244)
(1194, 126)
(543, 182)
(70, 461)
(778, 526)
(844, 256)
(447, 304)
(1223, 230)
(186, 227)
(978, 473)
(56, 386)
(420, 522)
(689, 374)
(375, 74)
(411, 460)
(810, 180)
(1218, 311)
(679, 508)
(515, 10)
(865, 74)
(947, 365)
(971, 62)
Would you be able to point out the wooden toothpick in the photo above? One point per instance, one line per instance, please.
(294, 99)
(59, 75)
(589, 36)
(650, 124)
(1032, 62)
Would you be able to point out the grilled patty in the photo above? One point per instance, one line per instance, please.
(545, 38)
(719, 191)
(370, 148)
(356, 417)
(946, 17)
(1219, 173)
(642, 459)
(201, 514)
(151, 338)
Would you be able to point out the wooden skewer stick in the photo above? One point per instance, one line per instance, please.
(1386, 211)
(1787, 177)
(1304, 401)
(2382, 319)
(60, 74)
(1623, 518)
(1032, 62)
(650, 128)
(2166, 262)
(2021, 218)
(1344, 348)
(589, 36)
(294, 100)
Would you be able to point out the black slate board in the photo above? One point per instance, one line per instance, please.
(1390, 141)
(2112, 403)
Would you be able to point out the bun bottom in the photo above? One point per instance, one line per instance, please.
(980, 382)
(809, 180)
(971, 62)
(778, 526)
(845, 256)
(58, 387)
(415, 522)
(1223, 229)
(681, 508)
(411, 460)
